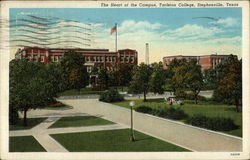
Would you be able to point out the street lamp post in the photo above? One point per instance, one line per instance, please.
(132, 138)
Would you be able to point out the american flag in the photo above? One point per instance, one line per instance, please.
(113, 29)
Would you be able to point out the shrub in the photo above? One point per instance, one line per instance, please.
(144, 109)
(111, 96)
(171, 113)
(213, 123)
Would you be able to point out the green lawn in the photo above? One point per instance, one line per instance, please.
(24, 144)
(210, 110)
(113, 141)
(31, 123)
(80, 121)
(83, 91)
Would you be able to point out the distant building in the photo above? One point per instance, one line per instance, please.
(206, 62)
(93, 57)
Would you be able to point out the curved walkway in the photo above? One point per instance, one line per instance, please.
(186, 136)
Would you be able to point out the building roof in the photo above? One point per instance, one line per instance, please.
(225, 55)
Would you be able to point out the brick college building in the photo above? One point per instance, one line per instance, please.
(92, 56)
(206, 62)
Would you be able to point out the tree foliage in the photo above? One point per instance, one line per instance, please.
(157, 79)
(230, 84)
(124, 74)
(31, 86)
(210, 79)
(187, 76)
(194, 78)
(74, 73)
(103, 78)
(140, 79)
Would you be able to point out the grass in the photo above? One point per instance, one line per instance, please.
(83, 91)
(209, 110)
(121, 88)
(30, 121)
(113, 141)
(79, 121)
(24, 144)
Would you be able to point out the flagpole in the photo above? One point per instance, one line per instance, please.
(116, 38)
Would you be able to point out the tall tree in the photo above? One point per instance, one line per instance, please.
(230, 85)
(124, 74)
(140, 79)
(157, 79)
(171, 76)
(75, 75)
(178, 79)
(28, 86)
(187, 76)
(210, 79)
(194, 78)
(103, 77)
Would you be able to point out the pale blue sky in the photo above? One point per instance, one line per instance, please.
(169, 31)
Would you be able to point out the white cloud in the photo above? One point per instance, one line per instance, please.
(192, 32)
(227, 22)
(133, 26)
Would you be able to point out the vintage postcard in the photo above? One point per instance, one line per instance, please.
(124, 80)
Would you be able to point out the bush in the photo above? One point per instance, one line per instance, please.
(171, 113)
(144, 109)
(213, 123)
(111, 96)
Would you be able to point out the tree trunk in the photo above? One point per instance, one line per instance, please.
(144, 93)
(25, 118)
(195, 97)
(237, 105)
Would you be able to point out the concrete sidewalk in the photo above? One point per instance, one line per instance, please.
(42, 134)
(186, 136)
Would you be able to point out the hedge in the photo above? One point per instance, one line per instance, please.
(171, 112)
(213, 123)
(111, 96)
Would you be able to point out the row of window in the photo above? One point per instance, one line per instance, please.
(89, 68)
(42, 58)
(100, 59)
(126, 59)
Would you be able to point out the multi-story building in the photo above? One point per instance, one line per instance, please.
(93, 57)
(206, 62)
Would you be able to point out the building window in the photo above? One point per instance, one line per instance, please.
(94, 59)
(52, 58)
(114, 60)
(42, 59)
(127, 59)
(89, 69)
(132, 59)
(55, 58)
